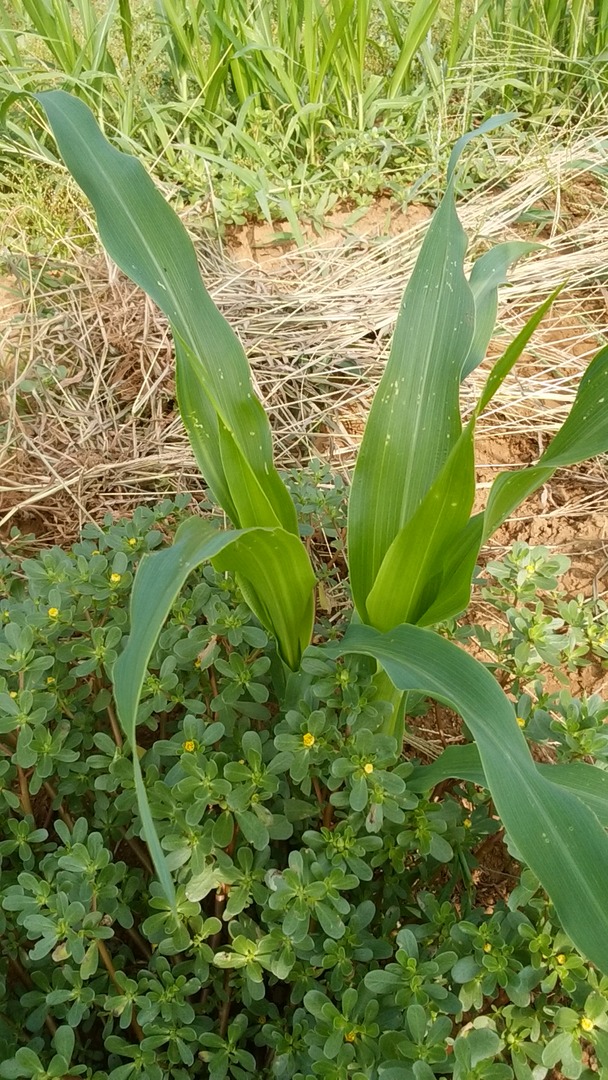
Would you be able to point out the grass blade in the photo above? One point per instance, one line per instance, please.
(421, 19)
(126, 23)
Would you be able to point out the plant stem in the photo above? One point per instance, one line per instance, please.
(24, 977)
(24, 793)
(63, 814)
(395, 723)
(328, 816)
(213, 681)
(136, 938)
(488, 843)
(111, 970)
(140, 853)
(318, 792)
(115, 726)
(225, 1009)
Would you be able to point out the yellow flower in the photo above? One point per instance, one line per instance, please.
(115, 578)
(521, 721)
(189, 745)
(50, 680)
(53, 612)
(487, 947)
(197, 663)
(561, 958)
(587, 1024)
(350, 1036)
(467, 823)
(308, 740)
(368, 768)
(12, 693)
(132, 541)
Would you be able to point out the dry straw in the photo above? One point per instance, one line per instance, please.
(87, 418)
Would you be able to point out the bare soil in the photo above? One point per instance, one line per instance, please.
(316, 325)
(265, 244)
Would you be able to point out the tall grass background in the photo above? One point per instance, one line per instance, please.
(277, 109)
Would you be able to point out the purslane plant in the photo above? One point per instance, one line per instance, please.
(412, 542)
(263, 848)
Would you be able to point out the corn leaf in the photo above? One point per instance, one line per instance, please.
(583, 435)
(414, 559)
(557, 835)
(277, 563)
(488, 274)
(273, 561)
(456, 562)
(148, 242)
(464, 763)
(585, 432)
(415, 419)
(421, 558)
(512, 353)
(279, 585)
(488, 125)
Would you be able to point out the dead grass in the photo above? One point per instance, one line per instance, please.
(88, 421)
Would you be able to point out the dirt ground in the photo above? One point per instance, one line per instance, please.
(88, 419)
(264, 244)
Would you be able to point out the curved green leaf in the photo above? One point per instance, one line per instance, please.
(511, 488)
(485, 279)
(433, 557)
(274, 564)
(415, 557)
(149, 243)
(558, 836)
(488, 125)
(415, 419)
(279, 581)
(512, 353)
(272, 556)
(585, 432)
(462, 762)
(583, 435)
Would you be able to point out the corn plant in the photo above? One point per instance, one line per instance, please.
(412, 542)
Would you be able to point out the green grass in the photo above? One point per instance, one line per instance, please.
(277, 111)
